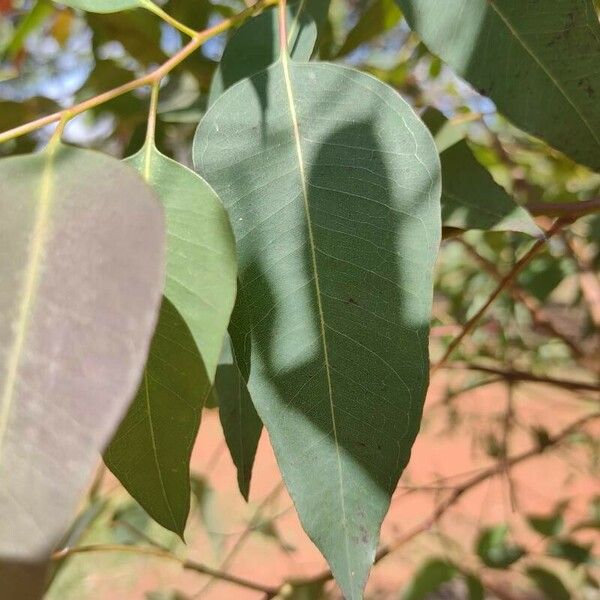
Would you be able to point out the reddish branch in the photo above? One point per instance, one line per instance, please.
(505, 282)
(539, 316)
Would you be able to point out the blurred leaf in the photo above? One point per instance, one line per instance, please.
(494, 550)
(474, 587)
(138, 31)
(166, 595)
(549, 584)
(547, 525)
(551, 85)
(303, 591)
(471, 199)
(543, 275)
(429, 578)
(32, 21)
(380, 16)
(86, 285)
(570, 550)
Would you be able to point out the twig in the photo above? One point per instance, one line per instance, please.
(148, 79)
(159, 553)
(572, 210)
(458, 492)
(516, 375)
(538, 314)
(588, 277)
(504, 283)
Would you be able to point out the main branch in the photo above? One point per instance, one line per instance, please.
(198, 40)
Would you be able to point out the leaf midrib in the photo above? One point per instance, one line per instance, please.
(30, 286)
(545, 69)
(302, 172)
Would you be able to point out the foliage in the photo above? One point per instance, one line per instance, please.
(312, 157)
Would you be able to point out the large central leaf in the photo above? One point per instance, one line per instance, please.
(536, 59)
(333, 187)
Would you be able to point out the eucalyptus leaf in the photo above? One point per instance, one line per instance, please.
(548, 583)
(255, 45)
(471, 199)
(150, 453)
(538, 66)
(201, 262)
(82, 266)
(337, 219)
(429, 578)
(241, 424)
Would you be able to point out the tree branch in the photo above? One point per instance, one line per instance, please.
(199, 38)
(571, 210)
(160, 553)
(516, 375)
(504, 283)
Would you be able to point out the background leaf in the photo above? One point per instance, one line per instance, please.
(429, 578)
(538, 66)
(335, 314)
(255, 45)
(82, 266)
(150, 453)
(494, 550)
(549, 584)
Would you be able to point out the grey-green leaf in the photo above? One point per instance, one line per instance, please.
(538, 66)
(471, 199)
(201, 262)
(104, 6)
(82, 266)
(335, 207)
(150, 453)
(241, 424)
(255, 45)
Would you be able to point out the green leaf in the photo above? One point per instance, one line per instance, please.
(549, 584)
(474, 587)
(494, 550)
(255, 45)
(538, 66)
(201, 262)
(575, 553)
(547, 525)
(150, 453)
(82, 265)
(471, 199)
(380, 16)
(337, 220)
(429, 578)
(104, 6)
(32, 21)
(241, 424)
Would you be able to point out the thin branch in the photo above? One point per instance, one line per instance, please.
(571, 210)
(148, 79)
(159, 12)
(516, 375)
(504, 283)
(538, 314)
(159, 553)
(459, 491)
